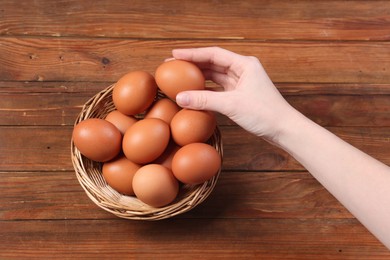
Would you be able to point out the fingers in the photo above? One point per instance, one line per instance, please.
(202, 100)
(211, 57)
(222, 79)
(217, 64)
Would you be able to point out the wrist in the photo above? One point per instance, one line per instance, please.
(288, 127)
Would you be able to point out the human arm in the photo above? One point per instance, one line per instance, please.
(358, 181)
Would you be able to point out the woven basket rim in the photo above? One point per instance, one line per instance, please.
(89, 174)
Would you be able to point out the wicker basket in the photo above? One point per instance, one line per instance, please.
(91, 179)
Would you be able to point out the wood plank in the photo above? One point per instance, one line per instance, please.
(302, 20)
(344, 110)
(332, 89)
(45, 195)
(35, 148)
(62, 108)
(77, 59)
(47, 148)
(58, 103)
(243, 151)
(40, 108)
(192, 238)
(58, 195)
(90, 88)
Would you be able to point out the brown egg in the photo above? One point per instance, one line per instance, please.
(192, 126)
(163, 109)
(155, 185)
(121, 121)
(97, 139)
(196, 163)
(146, 140)
(166, 158)
(134, 92)
(119, 174)
(175, 76)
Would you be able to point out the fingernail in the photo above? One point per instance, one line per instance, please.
(183, 99)
(169, 59)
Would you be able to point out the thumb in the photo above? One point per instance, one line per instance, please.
(201, 100)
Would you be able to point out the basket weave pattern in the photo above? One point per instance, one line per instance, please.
(89, 174)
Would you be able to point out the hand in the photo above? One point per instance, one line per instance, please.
(249, 98)
(357, 180)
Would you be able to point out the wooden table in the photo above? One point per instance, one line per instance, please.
(330, 59)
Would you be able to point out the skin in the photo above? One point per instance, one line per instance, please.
(360, 182)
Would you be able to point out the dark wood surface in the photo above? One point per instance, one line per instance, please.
(330, 59)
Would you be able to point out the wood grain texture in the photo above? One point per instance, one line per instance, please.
(58, 195)
(246, 152)
(190, 238)
(52, 103)
(89, 88)
(298, 20)
(47, 148)
(330, 59)
(78, 59)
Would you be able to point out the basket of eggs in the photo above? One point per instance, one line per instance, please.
(138, 155)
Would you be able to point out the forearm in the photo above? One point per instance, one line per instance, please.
(359, 182)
